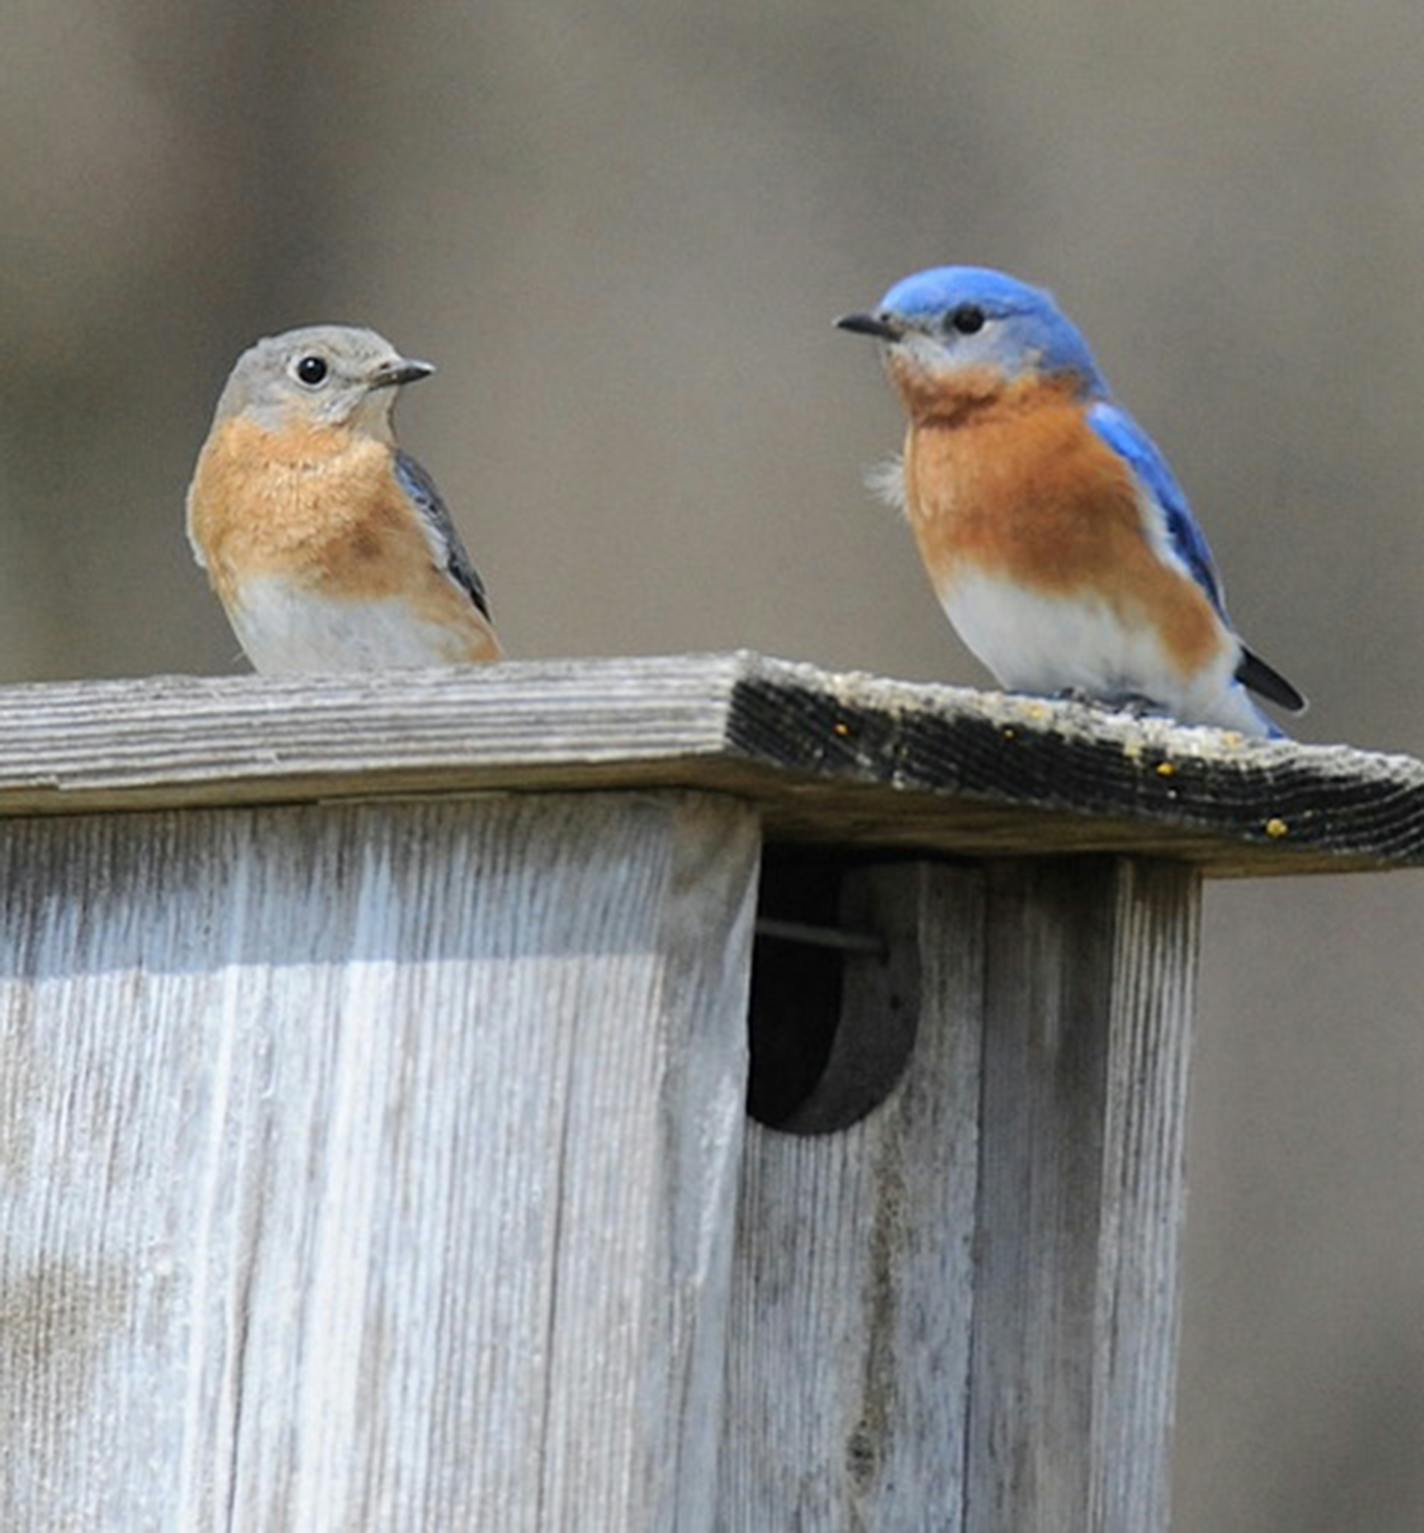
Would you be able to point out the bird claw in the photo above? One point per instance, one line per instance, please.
(1135, 704)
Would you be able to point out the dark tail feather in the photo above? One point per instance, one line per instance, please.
(1253, 672)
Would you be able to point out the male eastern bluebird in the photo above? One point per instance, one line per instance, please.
(1058, 540)
(330, 548)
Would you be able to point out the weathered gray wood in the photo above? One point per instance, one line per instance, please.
(1090, 971)
(848, 1347)
(370, 1167)
(961, 1314)
(851, 760)
(368, 1159)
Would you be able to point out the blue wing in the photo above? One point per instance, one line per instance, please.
(1132, 444)
(427, 500)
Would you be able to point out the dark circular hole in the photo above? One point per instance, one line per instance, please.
(795, 994)
(831, 1028)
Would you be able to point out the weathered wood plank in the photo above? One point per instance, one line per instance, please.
(1090, 973)
(848, 1346)
(852, 760)
(370, 1166)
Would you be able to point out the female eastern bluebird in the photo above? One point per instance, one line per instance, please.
(1058, 541)
(330, 548)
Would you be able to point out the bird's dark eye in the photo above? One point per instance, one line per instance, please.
(967, 318)
(311, 370)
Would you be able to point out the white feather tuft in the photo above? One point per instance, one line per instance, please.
(886, 481)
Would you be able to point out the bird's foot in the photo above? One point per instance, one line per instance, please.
(1136, 704)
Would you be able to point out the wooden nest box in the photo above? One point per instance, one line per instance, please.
(375, 1153)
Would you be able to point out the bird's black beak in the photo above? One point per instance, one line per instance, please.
(879, 325)
(390, 375)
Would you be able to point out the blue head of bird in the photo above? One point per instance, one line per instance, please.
(959, 333)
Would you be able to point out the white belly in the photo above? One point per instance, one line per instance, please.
(284, 628)
(1048, 644)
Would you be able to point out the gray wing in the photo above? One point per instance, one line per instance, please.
(421, 488)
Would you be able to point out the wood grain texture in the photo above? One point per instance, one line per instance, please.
(848, 1345)
(1090, 973)
(370, 1166)
(846, 759)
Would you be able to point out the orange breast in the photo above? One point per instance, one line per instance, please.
(1021, 488)
(321, 507)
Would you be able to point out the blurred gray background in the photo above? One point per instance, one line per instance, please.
(623, 230)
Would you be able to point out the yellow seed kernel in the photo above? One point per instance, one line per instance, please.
(1275, 828)
(1166, 769)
